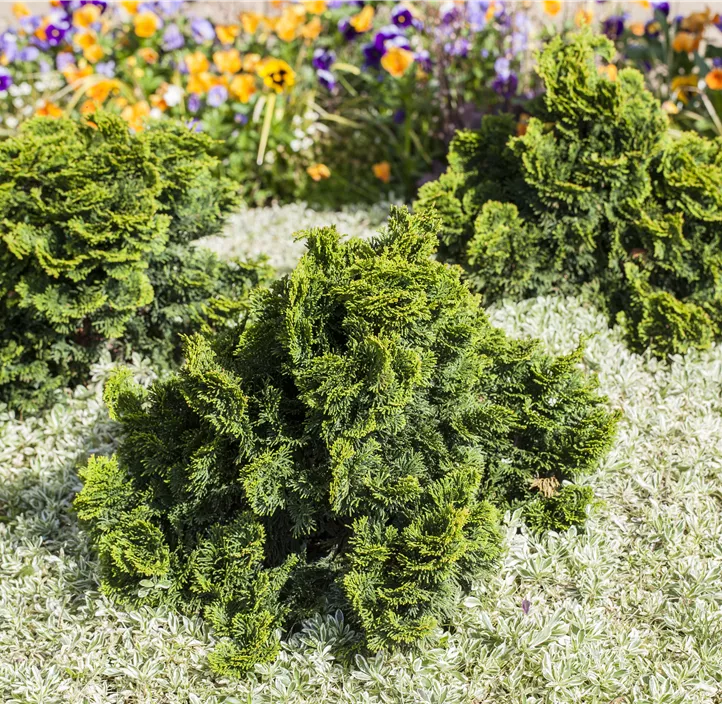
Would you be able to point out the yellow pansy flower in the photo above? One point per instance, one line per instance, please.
(145, 24)
(364, 20)
(397, 61)
(93, 53)
(74, 74)
(135, 115)
(250, 62)
(48, 109)
(85, 39)
(200, 82)
(86, 15)
(227, 33)
(102, 89)
(382, 171)
(319, 172)
(288, 25)
(89, 107)
(315, 7)
(552, 7)
(276, 74)
(242, 87)
(609, 71)
(250, 22)
(130, 6)
(583, 17)
(197, 62)
(681, 86)
(228, 61)
(20, 9)
(686, 42)
(312, 29)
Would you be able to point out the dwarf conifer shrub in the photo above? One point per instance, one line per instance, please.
(596, 194)
(95, 226)
(352, 446)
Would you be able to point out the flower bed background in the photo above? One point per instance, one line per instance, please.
(333, 102)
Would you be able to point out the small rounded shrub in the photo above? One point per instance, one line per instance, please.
(597, 196)
(94, 249)
(352, 446)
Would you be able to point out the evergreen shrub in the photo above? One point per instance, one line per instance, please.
(597, 194)
(352, 445)
(95, 233)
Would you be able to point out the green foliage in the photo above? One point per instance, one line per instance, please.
(352, 445)
(94, 249)
(596, 194)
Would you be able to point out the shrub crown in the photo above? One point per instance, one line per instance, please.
(352, 446)
(596, 193)
(94, 230)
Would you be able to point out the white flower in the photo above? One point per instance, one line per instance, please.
(173, 95)
(156, 113)
(11, 122)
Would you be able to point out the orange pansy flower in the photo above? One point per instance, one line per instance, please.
(319, 172)
(364, 20)
(397, 61)
(228, 61)
(243, 86)
(382, 171)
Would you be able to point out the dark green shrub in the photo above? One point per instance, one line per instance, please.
(95, 226)
(353, 446)
(596, 193)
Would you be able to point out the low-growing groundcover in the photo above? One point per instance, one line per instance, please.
(353, 446)
(95, 233)
(598, 193)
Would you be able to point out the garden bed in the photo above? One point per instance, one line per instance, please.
(627, 609)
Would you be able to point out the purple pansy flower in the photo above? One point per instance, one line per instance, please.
(173, 38)
(476, 14)
(169, 7)
(505, 87)
(29, 53)
(55, 33)
(448, 12)
(372, 55)
(613, 26)
(327, 80)
(345, 27)
(323, 59)
(662, 7)
(63, 60)
(459, 47)
(423, 60)
(202, 30)
(6, 80)
(105, 68)
(194, 102)
(401, 16)
(217, 96)
(240, 118)
(502, 66)
(9, 45)
(652, 29)
(400, 116)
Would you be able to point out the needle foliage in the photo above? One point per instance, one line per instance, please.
(596, 196)
(95, 232)
(352, 446)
